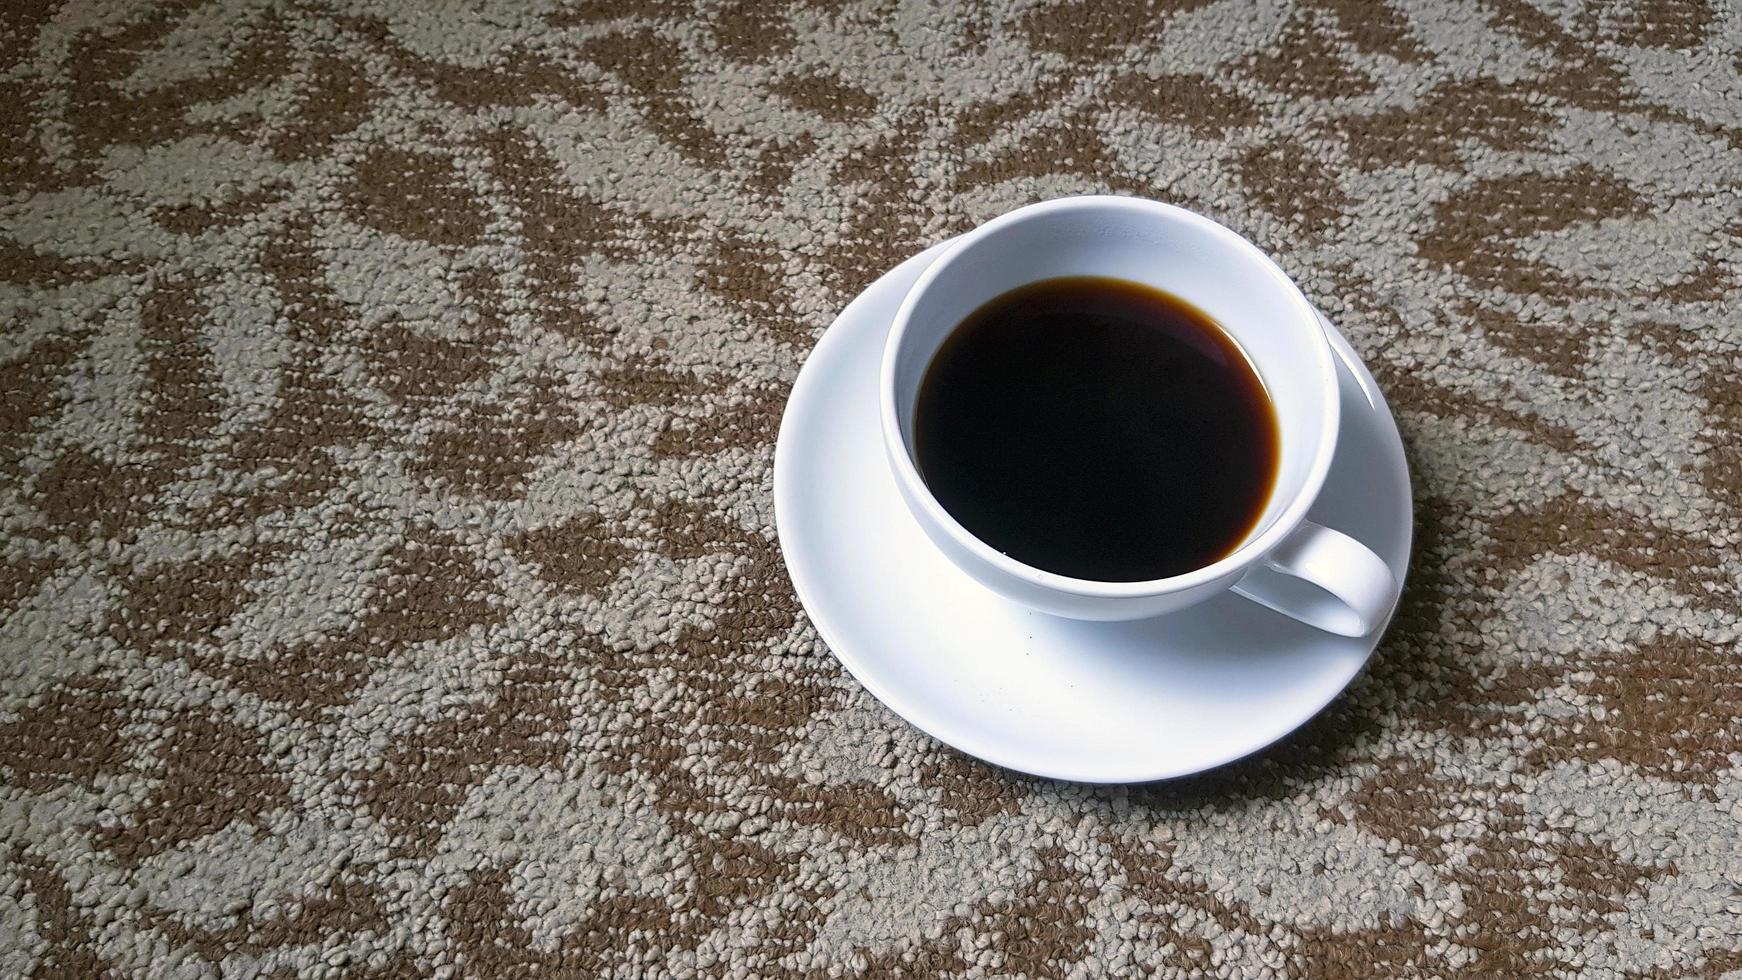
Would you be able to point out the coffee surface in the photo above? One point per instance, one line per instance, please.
(1097, 428)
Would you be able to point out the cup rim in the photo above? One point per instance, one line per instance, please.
(919, 495)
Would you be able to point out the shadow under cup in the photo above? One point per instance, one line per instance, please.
(1155, 245)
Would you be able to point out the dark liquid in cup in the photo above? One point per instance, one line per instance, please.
(1097, 428)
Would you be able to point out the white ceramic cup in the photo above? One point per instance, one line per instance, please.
(1313, 573)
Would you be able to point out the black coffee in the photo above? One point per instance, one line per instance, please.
(1097, 428)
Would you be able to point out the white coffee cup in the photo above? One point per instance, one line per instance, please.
(1313, 573)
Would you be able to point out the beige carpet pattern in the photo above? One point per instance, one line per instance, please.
(387, 403)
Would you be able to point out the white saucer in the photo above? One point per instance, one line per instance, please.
(1094, 702)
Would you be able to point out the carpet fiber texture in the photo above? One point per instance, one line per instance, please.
(386, 418)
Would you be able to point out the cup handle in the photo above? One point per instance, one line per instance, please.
(1323, 578)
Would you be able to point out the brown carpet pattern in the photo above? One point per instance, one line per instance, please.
(387, 403)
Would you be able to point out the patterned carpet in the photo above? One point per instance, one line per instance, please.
(389, 576)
